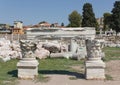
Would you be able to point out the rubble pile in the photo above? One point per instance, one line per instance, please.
(9, 50)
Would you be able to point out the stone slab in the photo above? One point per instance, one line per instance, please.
(27, 69)
(95, 70)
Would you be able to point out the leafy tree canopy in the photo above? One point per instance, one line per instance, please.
(107, 20)
(74, 19)
(116, 17)
(88, 19)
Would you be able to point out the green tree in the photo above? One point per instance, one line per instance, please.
(62, 24)
(42, 22)
(107, 20)
(116, 17)
(74, 19)
(88, 19)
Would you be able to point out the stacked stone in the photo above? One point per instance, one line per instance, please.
(28, 65)
(94, 66)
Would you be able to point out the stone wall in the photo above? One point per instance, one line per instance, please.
(13, 37)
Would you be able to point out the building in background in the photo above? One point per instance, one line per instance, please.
(18, 27)
(100, 22)
(44, 24)
(5, 29)
(18, 24)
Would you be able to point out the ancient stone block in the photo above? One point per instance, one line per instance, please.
(95, 69)
(27, 68)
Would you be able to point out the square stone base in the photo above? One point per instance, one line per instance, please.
(27, 69)
(95, 70)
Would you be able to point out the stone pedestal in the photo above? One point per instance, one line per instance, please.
(95, 69)
(27, 68)
(73, 46)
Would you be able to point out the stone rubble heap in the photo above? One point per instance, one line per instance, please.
(44, 49)
(60, 49)
(112, 44)
(112, 41)
(41, 52)
(9, 50)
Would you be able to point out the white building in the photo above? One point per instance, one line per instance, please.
(18, 24)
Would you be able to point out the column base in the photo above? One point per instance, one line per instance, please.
(95, 69)
(27, 68)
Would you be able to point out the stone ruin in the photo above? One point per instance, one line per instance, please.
(28, 50)
(9, 50)
(68, 48)
(28, 65)
(72, 48)
(94, 66)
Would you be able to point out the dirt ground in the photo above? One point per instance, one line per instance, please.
(112, 69)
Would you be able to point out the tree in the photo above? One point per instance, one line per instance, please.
(42, 22)
(62, 24)
(107, 20)
(88, 19)
(116, 17)
(74, 19)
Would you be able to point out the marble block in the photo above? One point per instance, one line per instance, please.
(95, 69)
(27, 68)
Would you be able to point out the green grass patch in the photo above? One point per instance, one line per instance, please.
(111, 53)
(108, 77)
(41, 78)
(8, 70)
(58, 64)
(73, 78)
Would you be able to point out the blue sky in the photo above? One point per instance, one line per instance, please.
(33, 11)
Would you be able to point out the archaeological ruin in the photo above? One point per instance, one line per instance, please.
(74, 43)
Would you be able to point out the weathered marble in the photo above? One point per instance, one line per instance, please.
(9, 50)
(94, 66)
(36, 33)
(28, 66)
(40, 52)
(73, 46)
(28, 47)
(95, 69)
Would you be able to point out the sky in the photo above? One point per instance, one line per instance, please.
(53, 11)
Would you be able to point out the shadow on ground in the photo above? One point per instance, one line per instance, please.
(62, 72)
(13, 73)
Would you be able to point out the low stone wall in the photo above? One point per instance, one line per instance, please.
(13, 37)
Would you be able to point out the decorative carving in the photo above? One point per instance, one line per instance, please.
(27, 47)
(94, 66)
(94, 49)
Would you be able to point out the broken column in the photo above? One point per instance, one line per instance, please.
(73, 46)
(28, 66)
(94, 66)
